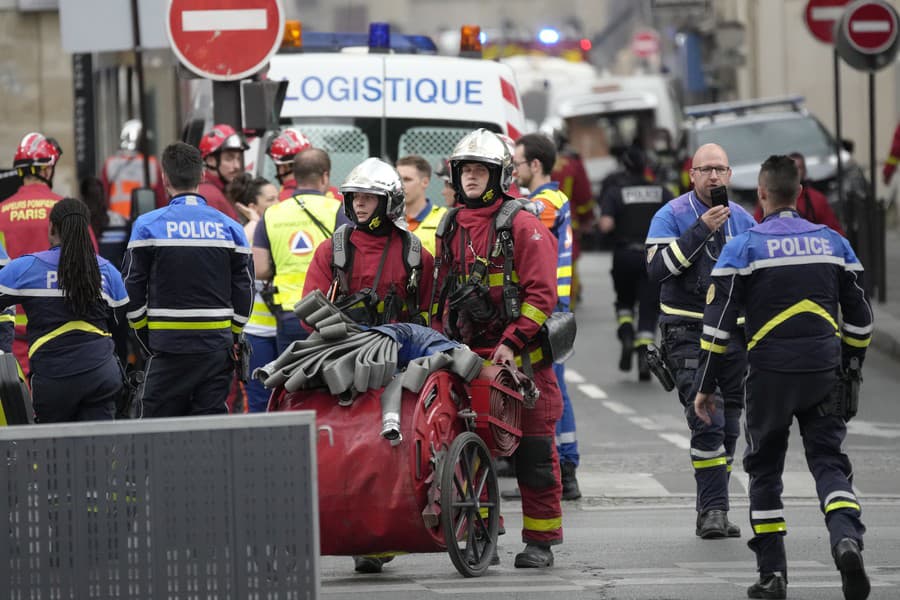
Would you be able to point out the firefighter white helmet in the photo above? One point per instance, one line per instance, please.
(131, 135)
(486, 147)
(374, 176)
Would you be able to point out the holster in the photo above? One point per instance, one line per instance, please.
(658, 363)
(241, 356)
(132, 381)
(843, 401)
(557, 336)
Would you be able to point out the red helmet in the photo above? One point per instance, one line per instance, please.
(36, 151)
(286, 145)
(221, 137)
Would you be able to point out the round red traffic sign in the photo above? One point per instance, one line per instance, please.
(870, 26)
(821, 16)
(226, 43)
(645, 43)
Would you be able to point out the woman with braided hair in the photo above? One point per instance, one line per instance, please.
(69, 295)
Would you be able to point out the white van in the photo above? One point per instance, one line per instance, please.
(357, 104)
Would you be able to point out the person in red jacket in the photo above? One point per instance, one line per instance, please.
(222, 150)
(25, 216)
(812, 204)
(890, 164)
(374, 260)
(474, 306)
(282, 149)
(371, 280)
(573, 181)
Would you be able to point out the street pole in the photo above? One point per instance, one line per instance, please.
(845, 208)
(142, 106)
(875, 215)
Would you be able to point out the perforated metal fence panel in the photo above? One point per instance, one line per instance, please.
(434, 144)
(209, 508)
(347, 146)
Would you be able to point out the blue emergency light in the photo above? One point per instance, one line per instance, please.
(548, 36)
(379, 37)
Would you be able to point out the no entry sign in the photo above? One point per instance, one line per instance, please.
(229, 42)
(820, 17)
(645, 43)
(870, 27)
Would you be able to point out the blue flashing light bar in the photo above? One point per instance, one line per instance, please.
(379, 37)
(548, 36)
(319, 41)
(482, 37)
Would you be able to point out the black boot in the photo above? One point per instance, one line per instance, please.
(370, 564)
(732, 529)
(770, 585)
(711, 525)
(626, 336)
(643, 366)
(535, 556)
(570, 490)
(849, 561)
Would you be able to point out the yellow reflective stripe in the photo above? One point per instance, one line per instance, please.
(426, 317)
(496, 279)
(531, 312)
(21, 319)
(857, 343)
(140, 324)
(892, 160)
(261, 308)
(263, 320)
(679, 254)
(669, 310)
(434, 308)
(535, 356)
(7, 318)
(770, 527)
(728, 468)
(541, 524)
(625, 319)
(236, 328)
(841, 504)
(642, 341)
(717, 348)
(484, 512)
(188, 325)
(711, 462)
(741, 320)
(803, 306)
(564, 271)
(564, 290)
(63, 329)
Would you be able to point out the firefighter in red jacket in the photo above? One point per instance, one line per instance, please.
(373, 279)
(812, 204)
(573, 181)
(890, 164)
(283, 149)
(25, 216)
(222, 150)
(501, 321)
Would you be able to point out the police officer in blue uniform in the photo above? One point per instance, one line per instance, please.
(189, 273)
(683, 243)
(628, 202)
(69, 295)
(796, 281)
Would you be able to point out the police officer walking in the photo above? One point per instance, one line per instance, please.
(796, 281)
(685, 238)
(484, 246)
(190, 279)
(627, 204)
(69, 295)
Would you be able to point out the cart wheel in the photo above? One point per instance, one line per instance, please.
(470, 504)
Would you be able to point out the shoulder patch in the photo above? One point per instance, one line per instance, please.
(651, 253)
(711, 293)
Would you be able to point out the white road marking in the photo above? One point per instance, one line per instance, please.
(592, 391)
(573, 376)
(679, 440)
(619, 485)
(618, 408)
(871, 429)
(647, 423)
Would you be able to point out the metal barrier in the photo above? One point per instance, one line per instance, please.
(193, 508)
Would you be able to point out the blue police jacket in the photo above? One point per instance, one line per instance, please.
(189, 273)
(681, 252)
(60, 342)
(8, 316)
(794, 279)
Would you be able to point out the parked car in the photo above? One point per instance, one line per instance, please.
(752, 130)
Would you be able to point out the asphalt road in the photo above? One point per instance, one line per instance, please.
(632, 535)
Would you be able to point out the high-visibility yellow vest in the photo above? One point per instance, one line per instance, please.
(293, 238)
(428, 226)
